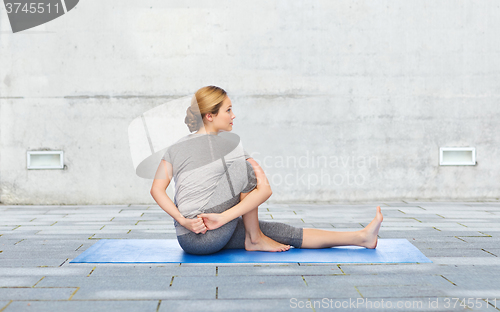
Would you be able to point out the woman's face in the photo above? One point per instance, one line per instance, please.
(224, 119)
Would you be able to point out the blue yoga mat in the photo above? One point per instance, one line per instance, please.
(168, 250)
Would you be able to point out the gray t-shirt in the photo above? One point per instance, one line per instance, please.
(198, 162)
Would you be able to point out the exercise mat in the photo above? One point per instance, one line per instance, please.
(169, 251)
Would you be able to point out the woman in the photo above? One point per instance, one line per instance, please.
(219, 188)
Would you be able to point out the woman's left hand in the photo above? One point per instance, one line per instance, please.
(212, 220)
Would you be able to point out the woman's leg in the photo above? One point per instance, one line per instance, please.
(367, 237)
(254, 238)
(248, 233)
(316, 238)
(271, 234)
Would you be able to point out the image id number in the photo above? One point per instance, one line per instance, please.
(469, 303)
(37, 7)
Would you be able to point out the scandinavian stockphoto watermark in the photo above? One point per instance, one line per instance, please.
(26, 14)
(410, 305)
(310, 170)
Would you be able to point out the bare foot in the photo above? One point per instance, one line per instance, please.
(264, 243)
(370, 232)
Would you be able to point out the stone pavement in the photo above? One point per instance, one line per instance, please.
(461, 238)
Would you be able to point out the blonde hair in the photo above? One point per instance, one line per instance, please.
(206, 100)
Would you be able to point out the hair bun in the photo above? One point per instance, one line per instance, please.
(192, 120)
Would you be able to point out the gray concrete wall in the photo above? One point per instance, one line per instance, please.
(375, 87)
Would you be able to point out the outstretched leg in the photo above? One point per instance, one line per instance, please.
(367, 237)
(254, 238)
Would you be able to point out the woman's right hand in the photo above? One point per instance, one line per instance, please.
(213, 220)
(195, 225)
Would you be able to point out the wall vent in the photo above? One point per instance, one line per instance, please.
(45, 160)
(457, 156)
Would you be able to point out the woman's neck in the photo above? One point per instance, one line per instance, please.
(203, 131)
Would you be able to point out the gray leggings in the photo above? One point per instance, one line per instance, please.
(239, 178)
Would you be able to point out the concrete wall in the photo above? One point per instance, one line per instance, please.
(375, 87)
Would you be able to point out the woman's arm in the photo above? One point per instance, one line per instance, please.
(254, 198)
(160, 183)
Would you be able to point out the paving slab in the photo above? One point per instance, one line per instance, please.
(494, 251)
(4, 304)
(135, 271)
(37, 293)
(45, 271)
(56, 236)
(388, 291)
(83, 306)
(9, 280)
(394, 268)
(39, 254)
(31, 262)
(379, 279)
(329, 269)
(118, 287)
(481, 245)
(454, 252)
(279, 287)
(481, 281)
(493, 261)
(220, 305)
